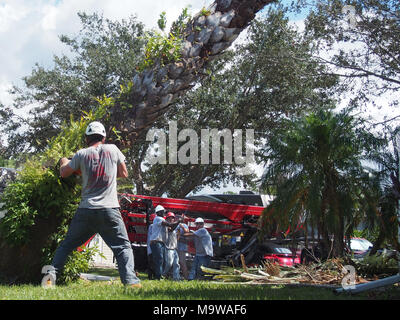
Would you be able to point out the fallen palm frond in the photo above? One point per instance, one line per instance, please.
(329, 273)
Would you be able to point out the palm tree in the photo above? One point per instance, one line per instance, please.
(384, 225)
(316, 165)
(205, 37)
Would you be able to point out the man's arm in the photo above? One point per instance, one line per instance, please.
(173, 225)
(122, 171)
(189, 233)
(185, 230)
(65, 169)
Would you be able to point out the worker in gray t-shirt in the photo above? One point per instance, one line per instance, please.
(204, 249)
(99, 174)
(99, 164)
(171, 259)
(158, 238)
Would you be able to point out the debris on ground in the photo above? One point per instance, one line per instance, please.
(95, 277)
(329, 273)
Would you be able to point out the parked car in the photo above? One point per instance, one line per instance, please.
(279, 254)
(360, 247)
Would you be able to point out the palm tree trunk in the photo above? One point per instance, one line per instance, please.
(206, 37)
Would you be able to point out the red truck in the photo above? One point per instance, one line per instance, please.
(233, 226)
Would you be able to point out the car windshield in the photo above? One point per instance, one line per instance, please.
(282, 250)
(360, 244)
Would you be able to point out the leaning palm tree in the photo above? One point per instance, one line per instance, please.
(170, 74)
(316, 167)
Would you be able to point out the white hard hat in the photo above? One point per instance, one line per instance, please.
(95, 128)
(199, 220)
(159, 208)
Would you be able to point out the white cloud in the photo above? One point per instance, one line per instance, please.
(50, 15)
(30, 29)
(5, 87)
(9, 14)
(298, 25)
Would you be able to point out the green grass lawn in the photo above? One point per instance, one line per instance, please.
(183, 290)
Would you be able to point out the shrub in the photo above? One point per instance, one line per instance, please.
(380, 265)
(39, 193)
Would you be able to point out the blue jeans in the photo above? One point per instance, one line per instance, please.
(172, 261)
(195, 272)
(108, 223)
(158, 252)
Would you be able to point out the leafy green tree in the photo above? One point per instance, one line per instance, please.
(254, 87)
(39, 205)
(359, 41)
(318, 169)
(384, 225)
(104, 55)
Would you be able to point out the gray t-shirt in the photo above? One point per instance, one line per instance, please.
(99, 174)
(182, 243)
(158, 231)
(203, 243)
(148, 239)
(172, 240)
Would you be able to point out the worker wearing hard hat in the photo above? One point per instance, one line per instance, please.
(171, 259)
(204, 249)
(158, 239)
(100, 165)
(182, 249)
(150, 267)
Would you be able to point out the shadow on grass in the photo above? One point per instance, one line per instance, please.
(108, 272)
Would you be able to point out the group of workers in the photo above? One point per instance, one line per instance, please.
(167, 245)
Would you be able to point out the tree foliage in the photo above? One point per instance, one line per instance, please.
(384, 226)
(165, 48)
(318, 170)
(359, 41)
(38, 186)
(39, 207)
(254, 87)
(103, 55)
